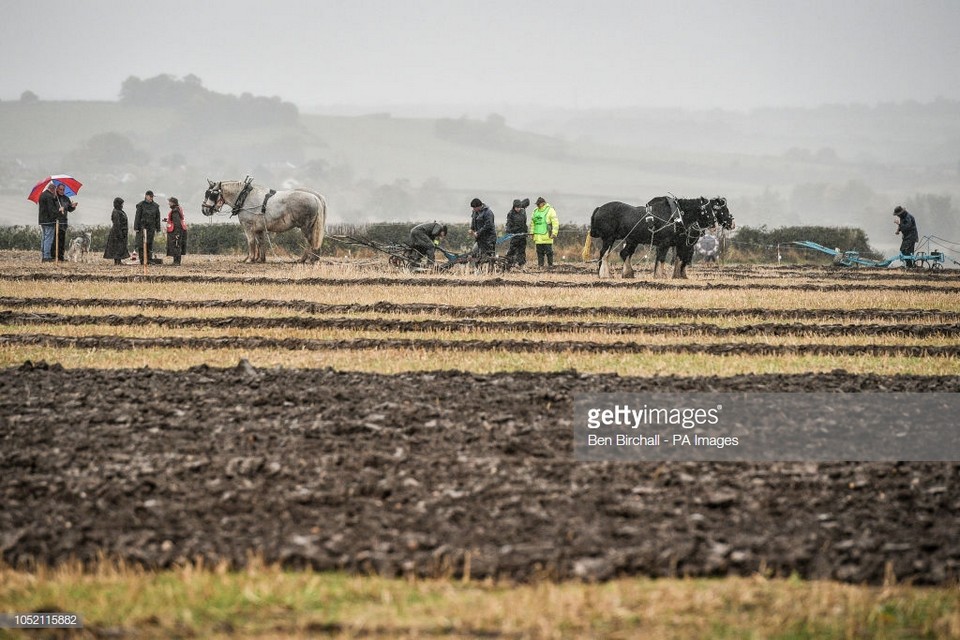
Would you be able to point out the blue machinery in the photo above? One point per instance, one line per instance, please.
(933, 260)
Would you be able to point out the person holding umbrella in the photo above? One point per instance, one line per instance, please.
(49, 210)
(64, 206)
(45, 194)
(117, 240)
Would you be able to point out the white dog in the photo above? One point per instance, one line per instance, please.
(79, 248)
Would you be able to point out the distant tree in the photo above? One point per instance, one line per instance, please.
(496, 121)
(391, 201)
(29, 97)
(108, 149)
(936, 215)
(204, 109)
(827, 155)
(798, 154)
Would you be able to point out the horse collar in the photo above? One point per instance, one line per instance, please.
(242, 197)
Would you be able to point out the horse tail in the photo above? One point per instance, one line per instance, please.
(585, 254)
(319, 225)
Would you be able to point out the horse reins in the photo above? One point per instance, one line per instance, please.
(651, 214)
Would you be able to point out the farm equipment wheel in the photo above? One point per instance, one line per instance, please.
(936, 266)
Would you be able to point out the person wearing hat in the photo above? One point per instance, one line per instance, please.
(425, 238)
(517, 224)
(147, 223)
(907, 230)
(64, 206)
(482, 228)
(176, 231)
(546, 225)
(117, 240)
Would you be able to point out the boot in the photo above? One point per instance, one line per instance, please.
(117, 261)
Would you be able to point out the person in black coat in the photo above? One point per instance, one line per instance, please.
(117, 240)
(907, 230)
(49, 209)
(176, 231)
(146, 221)
(425, 238)
(517, 223)
(482, 227)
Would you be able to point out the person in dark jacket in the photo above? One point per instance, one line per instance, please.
(64, 206)
(482, 227)
(147, 222)
(49, 208)
(907, 230)
(425, 238)
(176, 231)
(117, 240)
(517, 223)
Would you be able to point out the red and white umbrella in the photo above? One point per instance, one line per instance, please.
(71, 186)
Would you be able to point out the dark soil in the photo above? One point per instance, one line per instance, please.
(427, 473)
(513, 346)
(473, 326)
(491, 311)
(939, 285)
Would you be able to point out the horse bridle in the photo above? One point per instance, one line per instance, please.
(218, 200)
(237, 206)
(720, 206)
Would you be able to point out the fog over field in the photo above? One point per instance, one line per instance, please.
(799, 113)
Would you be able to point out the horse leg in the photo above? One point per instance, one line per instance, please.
(605, 259)
(261, 246)
(314, 240)
(684, 258)
(308, 252)
(251, 242)
(627, 254)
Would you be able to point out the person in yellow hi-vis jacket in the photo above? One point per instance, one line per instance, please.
(545, 226)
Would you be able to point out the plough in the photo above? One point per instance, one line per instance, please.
(933, 260)
(404, 256)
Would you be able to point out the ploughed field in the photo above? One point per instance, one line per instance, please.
(345, 416)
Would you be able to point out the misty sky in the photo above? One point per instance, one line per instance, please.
(739, 54)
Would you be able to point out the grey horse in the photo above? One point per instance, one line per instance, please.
(260, 210)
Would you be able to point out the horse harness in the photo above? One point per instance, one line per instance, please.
(242, 199)
(675, 219)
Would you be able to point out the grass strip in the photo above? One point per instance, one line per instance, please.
(390, 361)
(116, 600)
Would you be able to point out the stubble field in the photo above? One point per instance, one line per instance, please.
(342, 417)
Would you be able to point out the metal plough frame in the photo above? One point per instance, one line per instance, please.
(933, 261)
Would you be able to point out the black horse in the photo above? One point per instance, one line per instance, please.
(658, 223)
(684, 241)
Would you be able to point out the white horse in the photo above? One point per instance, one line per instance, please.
(260, 210)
